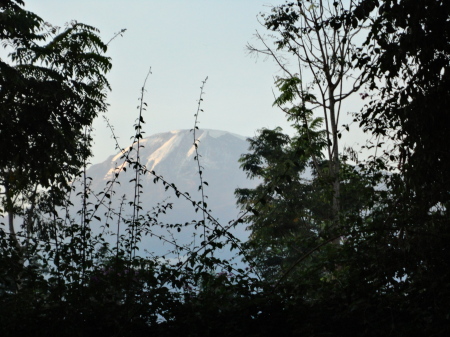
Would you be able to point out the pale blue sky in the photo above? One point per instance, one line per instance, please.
(183, 42)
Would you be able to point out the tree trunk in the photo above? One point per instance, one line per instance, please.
(334, 160)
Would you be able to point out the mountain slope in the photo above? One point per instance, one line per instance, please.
(172, 156)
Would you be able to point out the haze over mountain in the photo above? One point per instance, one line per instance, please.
(172, 156)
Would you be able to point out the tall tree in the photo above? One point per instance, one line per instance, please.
(411, 40)
(52, 86)
(324, 57)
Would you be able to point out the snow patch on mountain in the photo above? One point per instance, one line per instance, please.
(162, 152)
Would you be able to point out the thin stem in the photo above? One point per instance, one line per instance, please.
(197, 155)
(137, 184)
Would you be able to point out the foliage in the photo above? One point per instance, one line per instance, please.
(50, 92)
(52, 86)
(381, 269)
(392, 260)
(277, 220)
(411, 38)
(291, 208)
(412, 41)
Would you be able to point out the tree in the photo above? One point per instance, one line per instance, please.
(280, 209)
(409, 87)
(52, 86)
(291, 210)
(393, 258)
(323, 55)
(410, 42)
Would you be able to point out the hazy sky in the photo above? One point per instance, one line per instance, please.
(183, 41)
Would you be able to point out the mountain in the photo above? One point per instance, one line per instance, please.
(171, 155)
